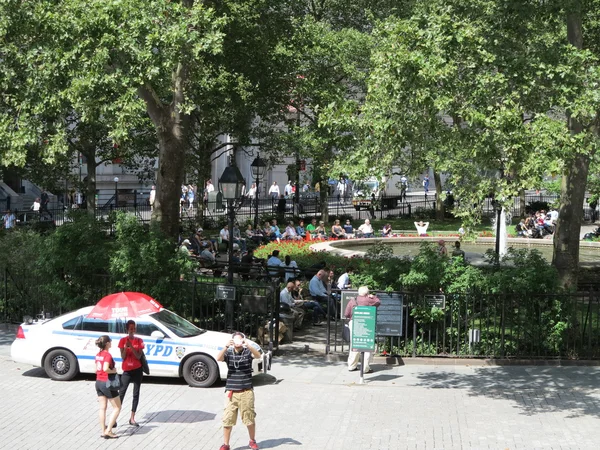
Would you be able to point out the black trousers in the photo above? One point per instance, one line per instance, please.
(132, 376)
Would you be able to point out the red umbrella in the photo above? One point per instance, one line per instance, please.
(124, 304)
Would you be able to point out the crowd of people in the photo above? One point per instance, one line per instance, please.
(538, 225)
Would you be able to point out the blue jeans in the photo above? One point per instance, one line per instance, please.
(316, 309)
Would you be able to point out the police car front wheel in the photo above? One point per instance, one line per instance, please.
(61, 365)
(200, 371)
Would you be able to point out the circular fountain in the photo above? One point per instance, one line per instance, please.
(589, 252)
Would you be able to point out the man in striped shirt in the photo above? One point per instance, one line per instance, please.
(238, 388)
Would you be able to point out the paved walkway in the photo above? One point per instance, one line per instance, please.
(312, 404)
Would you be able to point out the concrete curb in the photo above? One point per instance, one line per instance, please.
(441, 361)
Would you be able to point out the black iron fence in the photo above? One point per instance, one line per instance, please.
(213, 214)
(253, 305)
(565, 326)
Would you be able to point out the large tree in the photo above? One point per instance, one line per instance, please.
(114, 59)
(478, 88)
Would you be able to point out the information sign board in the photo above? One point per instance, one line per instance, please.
(364, 320)
(390, 314)
(437, 300)
(225, 292)
(347, 297)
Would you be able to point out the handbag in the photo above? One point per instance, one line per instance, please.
(346, 333)
(144, 361)
(346, 329)
(114, 381)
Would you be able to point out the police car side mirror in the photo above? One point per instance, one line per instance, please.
(157, 334)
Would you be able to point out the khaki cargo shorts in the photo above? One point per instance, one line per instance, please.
(242, 401)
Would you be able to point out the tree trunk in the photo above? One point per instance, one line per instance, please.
(170, 124)
(324, 197)
(90, 189)
(171, 169)
(574, 179)
(522, 203)
(439, 204)
(570, 215)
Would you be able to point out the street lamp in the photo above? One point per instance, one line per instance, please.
(230, 184)
(258, 170)
(116, 180)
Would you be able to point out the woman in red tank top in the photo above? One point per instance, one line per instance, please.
(105, 365)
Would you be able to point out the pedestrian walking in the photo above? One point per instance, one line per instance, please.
(426, 184)
(152, 197)
(363, 299)
(9, 220)
(105, 366)
(239, 394)
(132, 350)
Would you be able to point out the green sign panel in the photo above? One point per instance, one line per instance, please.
(364, 320)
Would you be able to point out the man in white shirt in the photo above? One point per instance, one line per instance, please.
(421, 228)
(366, 230)
(152, 197)
(343, 281)
(274, 191)
(341, 187)
(306, 187)
(287, 190)
(252, 191)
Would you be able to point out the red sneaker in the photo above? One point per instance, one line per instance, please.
(224, 447)
(253, 445)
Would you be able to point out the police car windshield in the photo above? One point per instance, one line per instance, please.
(178, 325)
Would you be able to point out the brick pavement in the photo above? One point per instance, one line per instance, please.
(312, 404)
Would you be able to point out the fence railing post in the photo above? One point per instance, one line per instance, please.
(5, 295)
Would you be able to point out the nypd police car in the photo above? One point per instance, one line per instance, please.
(65, 346)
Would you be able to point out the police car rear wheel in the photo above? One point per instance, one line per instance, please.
(61, 365)
(200, 371)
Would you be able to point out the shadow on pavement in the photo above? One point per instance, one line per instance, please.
(178, 416)
(272, 443)
(534, 390)
(37, 372)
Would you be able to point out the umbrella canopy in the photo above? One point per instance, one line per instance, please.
(124, 304)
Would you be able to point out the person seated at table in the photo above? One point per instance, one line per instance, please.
(348, 229)
(254, 235)
(250, 266)
(366, 230)
(387, 230)
(288, 305)
(421, 228)
(238, 239)
(337, 232)
(300, 231)
(224, 235)
(199, 242)
(185, 248)
(318, 313)
(206, 257)
(290, 232)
